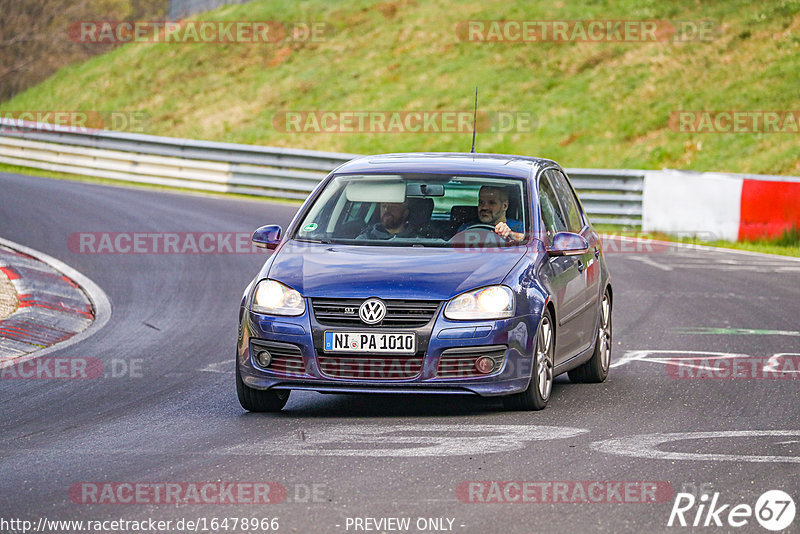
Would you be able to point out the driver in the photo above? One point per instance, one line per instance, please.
(393, 223)
(492, 207)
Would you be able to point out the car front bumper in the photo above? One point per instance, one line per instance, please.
(303, 365)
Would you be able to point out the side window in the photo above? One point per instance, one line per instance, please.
(357, 211)
(551, 212)
(569, 204)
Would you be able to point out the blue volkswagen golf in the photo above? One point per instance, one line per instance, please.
(456, 273)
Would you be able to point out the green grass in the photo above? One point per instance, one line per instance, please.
(597, 105)
(786, 245)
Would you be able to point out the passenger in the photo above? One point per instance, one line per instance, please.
(393, 223)
(492, 207)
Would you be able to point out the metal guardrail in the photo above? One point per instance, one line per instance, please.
(609, 196)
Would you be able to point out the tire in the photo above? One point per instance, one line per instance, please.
(541, 385)
(259, 400)
(596, 369)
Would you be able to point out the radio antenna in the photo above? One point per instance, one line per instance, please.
(474, 120)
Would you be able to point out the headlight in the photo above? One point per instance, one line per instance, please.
(493, 302)
(274, 298)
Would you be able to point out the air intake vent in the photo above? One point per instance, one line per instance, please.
(399, 313)
(287, 359)
(371, 367)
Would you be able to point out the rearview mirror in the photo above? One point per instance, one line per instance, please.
(568, 244)
(425, 190)
(267, 236)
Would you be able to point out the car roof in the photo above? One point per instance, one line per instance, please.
(447, 162)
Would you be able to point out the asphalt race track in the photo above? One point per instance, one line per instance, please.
(175, 417)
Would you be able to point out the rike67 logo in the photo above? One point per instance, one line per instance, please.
(774, 510)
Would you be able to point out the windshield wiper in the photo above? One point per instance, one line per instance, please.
(319, 241)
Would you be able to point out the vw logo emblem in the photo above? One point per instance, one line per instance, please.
(372, 311)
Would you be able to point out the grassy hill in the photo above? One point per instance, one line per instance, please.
(596, 104)
(33, 35)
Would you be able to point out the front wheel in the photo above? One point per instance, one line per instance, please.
(259, 400)
(596, 369)
(541, 385)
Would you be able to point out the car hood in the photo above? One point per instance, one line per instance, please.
(318, 270)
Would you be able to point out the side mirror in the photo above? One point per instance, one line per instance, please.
(267, 236)
(568, 244)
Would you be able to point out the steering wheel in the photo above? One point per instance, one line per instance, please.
(479, 226)
(460, 235)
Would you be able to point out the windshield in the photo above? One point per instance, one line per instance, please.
(418, 210)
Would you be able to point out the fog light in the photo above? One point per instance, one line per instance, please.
(484, 365)
(263, 358)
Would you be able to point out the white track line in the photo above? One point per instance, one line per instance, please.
(646, 446)
(708, 248)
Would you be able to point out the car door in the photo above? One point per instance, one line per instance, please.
(588, 264)
(564, 277)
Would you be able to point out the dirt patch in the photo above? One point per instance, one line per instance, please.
(8, 296)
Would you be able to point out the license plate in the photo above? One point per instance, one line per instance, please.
(370, 342)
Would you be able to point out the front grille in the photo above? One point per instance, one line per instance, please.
(371, 367)
(287, 359)
(460, 362)
(399, 313)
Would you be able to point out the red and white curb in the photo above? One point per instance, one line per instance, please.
(58, 306)
(714, 206)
